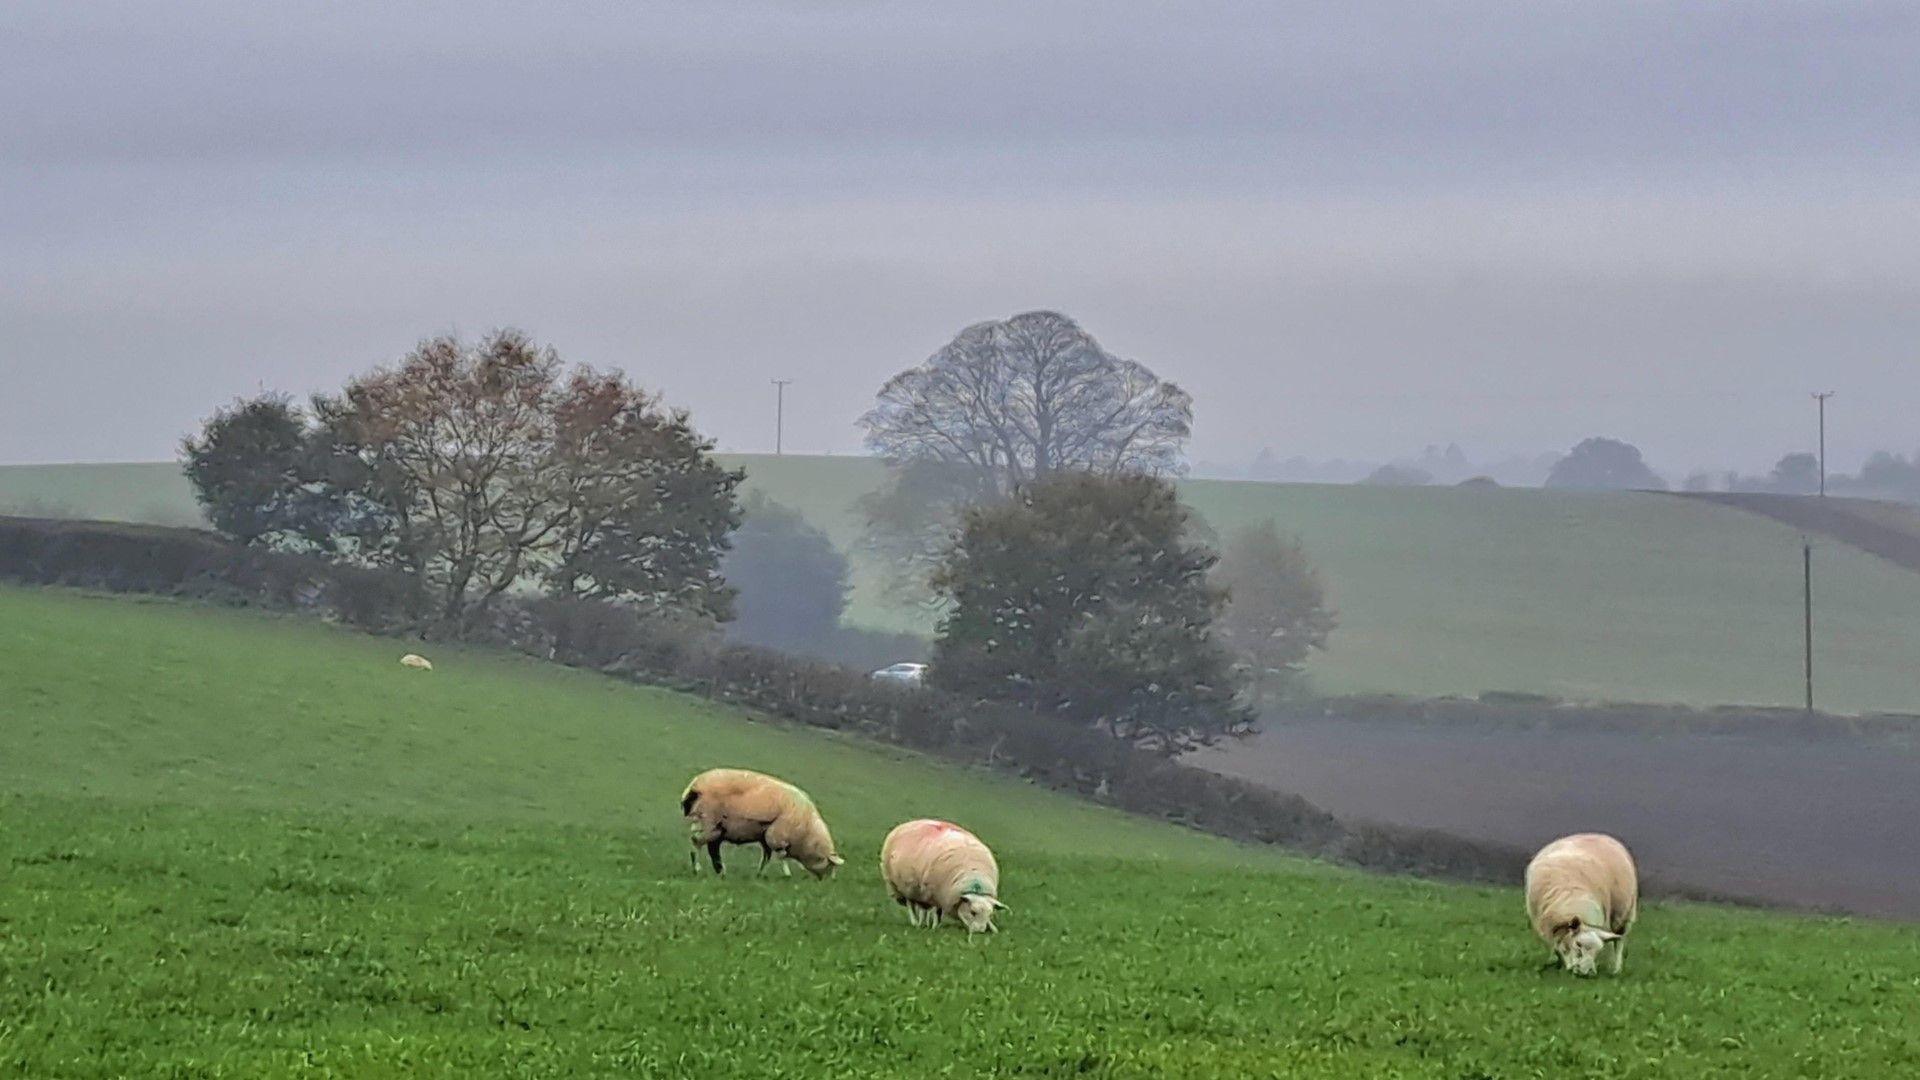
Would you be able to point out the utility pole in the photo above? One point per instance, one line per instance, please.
(1806, 567)
(780, 416)
(1822, 399)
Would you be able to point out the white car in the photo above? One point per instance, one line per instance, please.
(905, 673)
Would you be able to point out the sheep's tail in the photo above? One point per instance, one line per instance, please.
(687, 799)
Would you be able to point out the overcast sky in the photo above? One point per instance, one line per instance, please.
(1348, 230)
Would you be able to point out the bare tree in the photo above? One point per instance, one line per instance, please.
(1019, 399)
(1001, 406)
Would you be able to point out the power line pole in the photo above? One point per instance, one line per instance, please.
(1822, 399)
(1806, 565)
(780, 416)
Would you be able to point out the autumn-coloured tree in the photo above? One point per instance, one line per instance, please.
(646, 509)
(481, 466)
(456, 442)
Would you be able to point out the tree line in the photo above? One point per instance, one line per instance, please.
(1029, 495)
(479, 467)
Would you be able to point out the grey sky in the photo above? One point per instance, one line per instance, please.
(1349, 231)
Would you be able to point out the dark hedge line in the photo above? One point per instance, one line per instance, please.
(664, 649)
(117, 557)
(1537, 712)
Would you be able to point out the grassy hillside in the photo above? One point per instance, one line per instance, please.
(1440, 591)
(243, 846)
(155, 492)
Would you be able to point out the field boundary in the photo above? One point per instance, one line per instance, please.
(640, 647)
(1834, 517)
(632, 646)
(1496, 711)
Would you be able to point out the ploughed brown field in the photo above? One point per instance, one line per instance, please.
(1824, 823)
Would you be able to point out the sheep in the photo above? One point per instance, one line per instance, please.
(739, 806)
(936, 868)
(415, 660)
(1582, 896)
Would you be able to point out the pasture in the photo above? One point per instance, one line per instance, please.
(1587, 596)
(244, 845)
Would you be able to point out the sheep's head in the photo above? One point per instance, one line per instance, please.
(823, 866)
(975, 912)
(1579, 945)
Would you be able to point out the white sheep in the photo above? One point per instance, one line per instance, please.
(415, 660)
(937, 868)
(1582, 897)
(739, 806)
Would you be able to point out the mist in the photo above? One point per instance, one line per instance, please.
(1348, 234)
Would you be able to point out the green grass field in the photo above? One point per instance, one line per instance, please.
(1627, 597)
(240, 845)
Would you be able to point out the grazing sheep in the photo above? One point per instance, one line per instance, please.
(415, 660)
(937, 868)
(739, 806)
(1582, 896)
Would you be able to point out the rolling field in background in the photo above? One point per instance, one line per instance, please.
(242, 845)
(1615, 596)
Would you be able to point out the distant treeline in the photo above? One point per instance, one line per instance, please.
(1884, 475)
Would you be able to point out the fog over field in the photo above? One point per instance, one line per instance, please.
(1287, 537)
(1348, 232)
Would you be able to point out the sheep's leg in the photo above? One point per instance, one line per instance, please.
(786, 865)
(693, 856)
(1618, 956)
(713, 853)
(766, 853)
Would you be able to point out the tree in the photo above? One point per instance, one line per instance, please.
(1003, 404)
(476, 469)
(1599, 463)
(791, 580)
(455, 448)
(1796, 474)
(912, 519)
(1021, 398)
(1085, 596)
(647, 509)
(1891, 475)
(1276, 611)
(1394, 475)
(245, 463)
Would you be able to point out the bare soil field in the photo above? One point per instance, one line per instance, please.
(1889, 530)
(1829, 824)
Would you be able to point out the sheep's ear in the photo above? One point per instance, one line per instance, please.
(836, 860)
(995, 901)
(1606, 935)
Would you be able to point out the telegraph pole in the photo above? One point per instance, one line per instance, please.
(1806, 566)
(780, 415)
(1822, 399)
